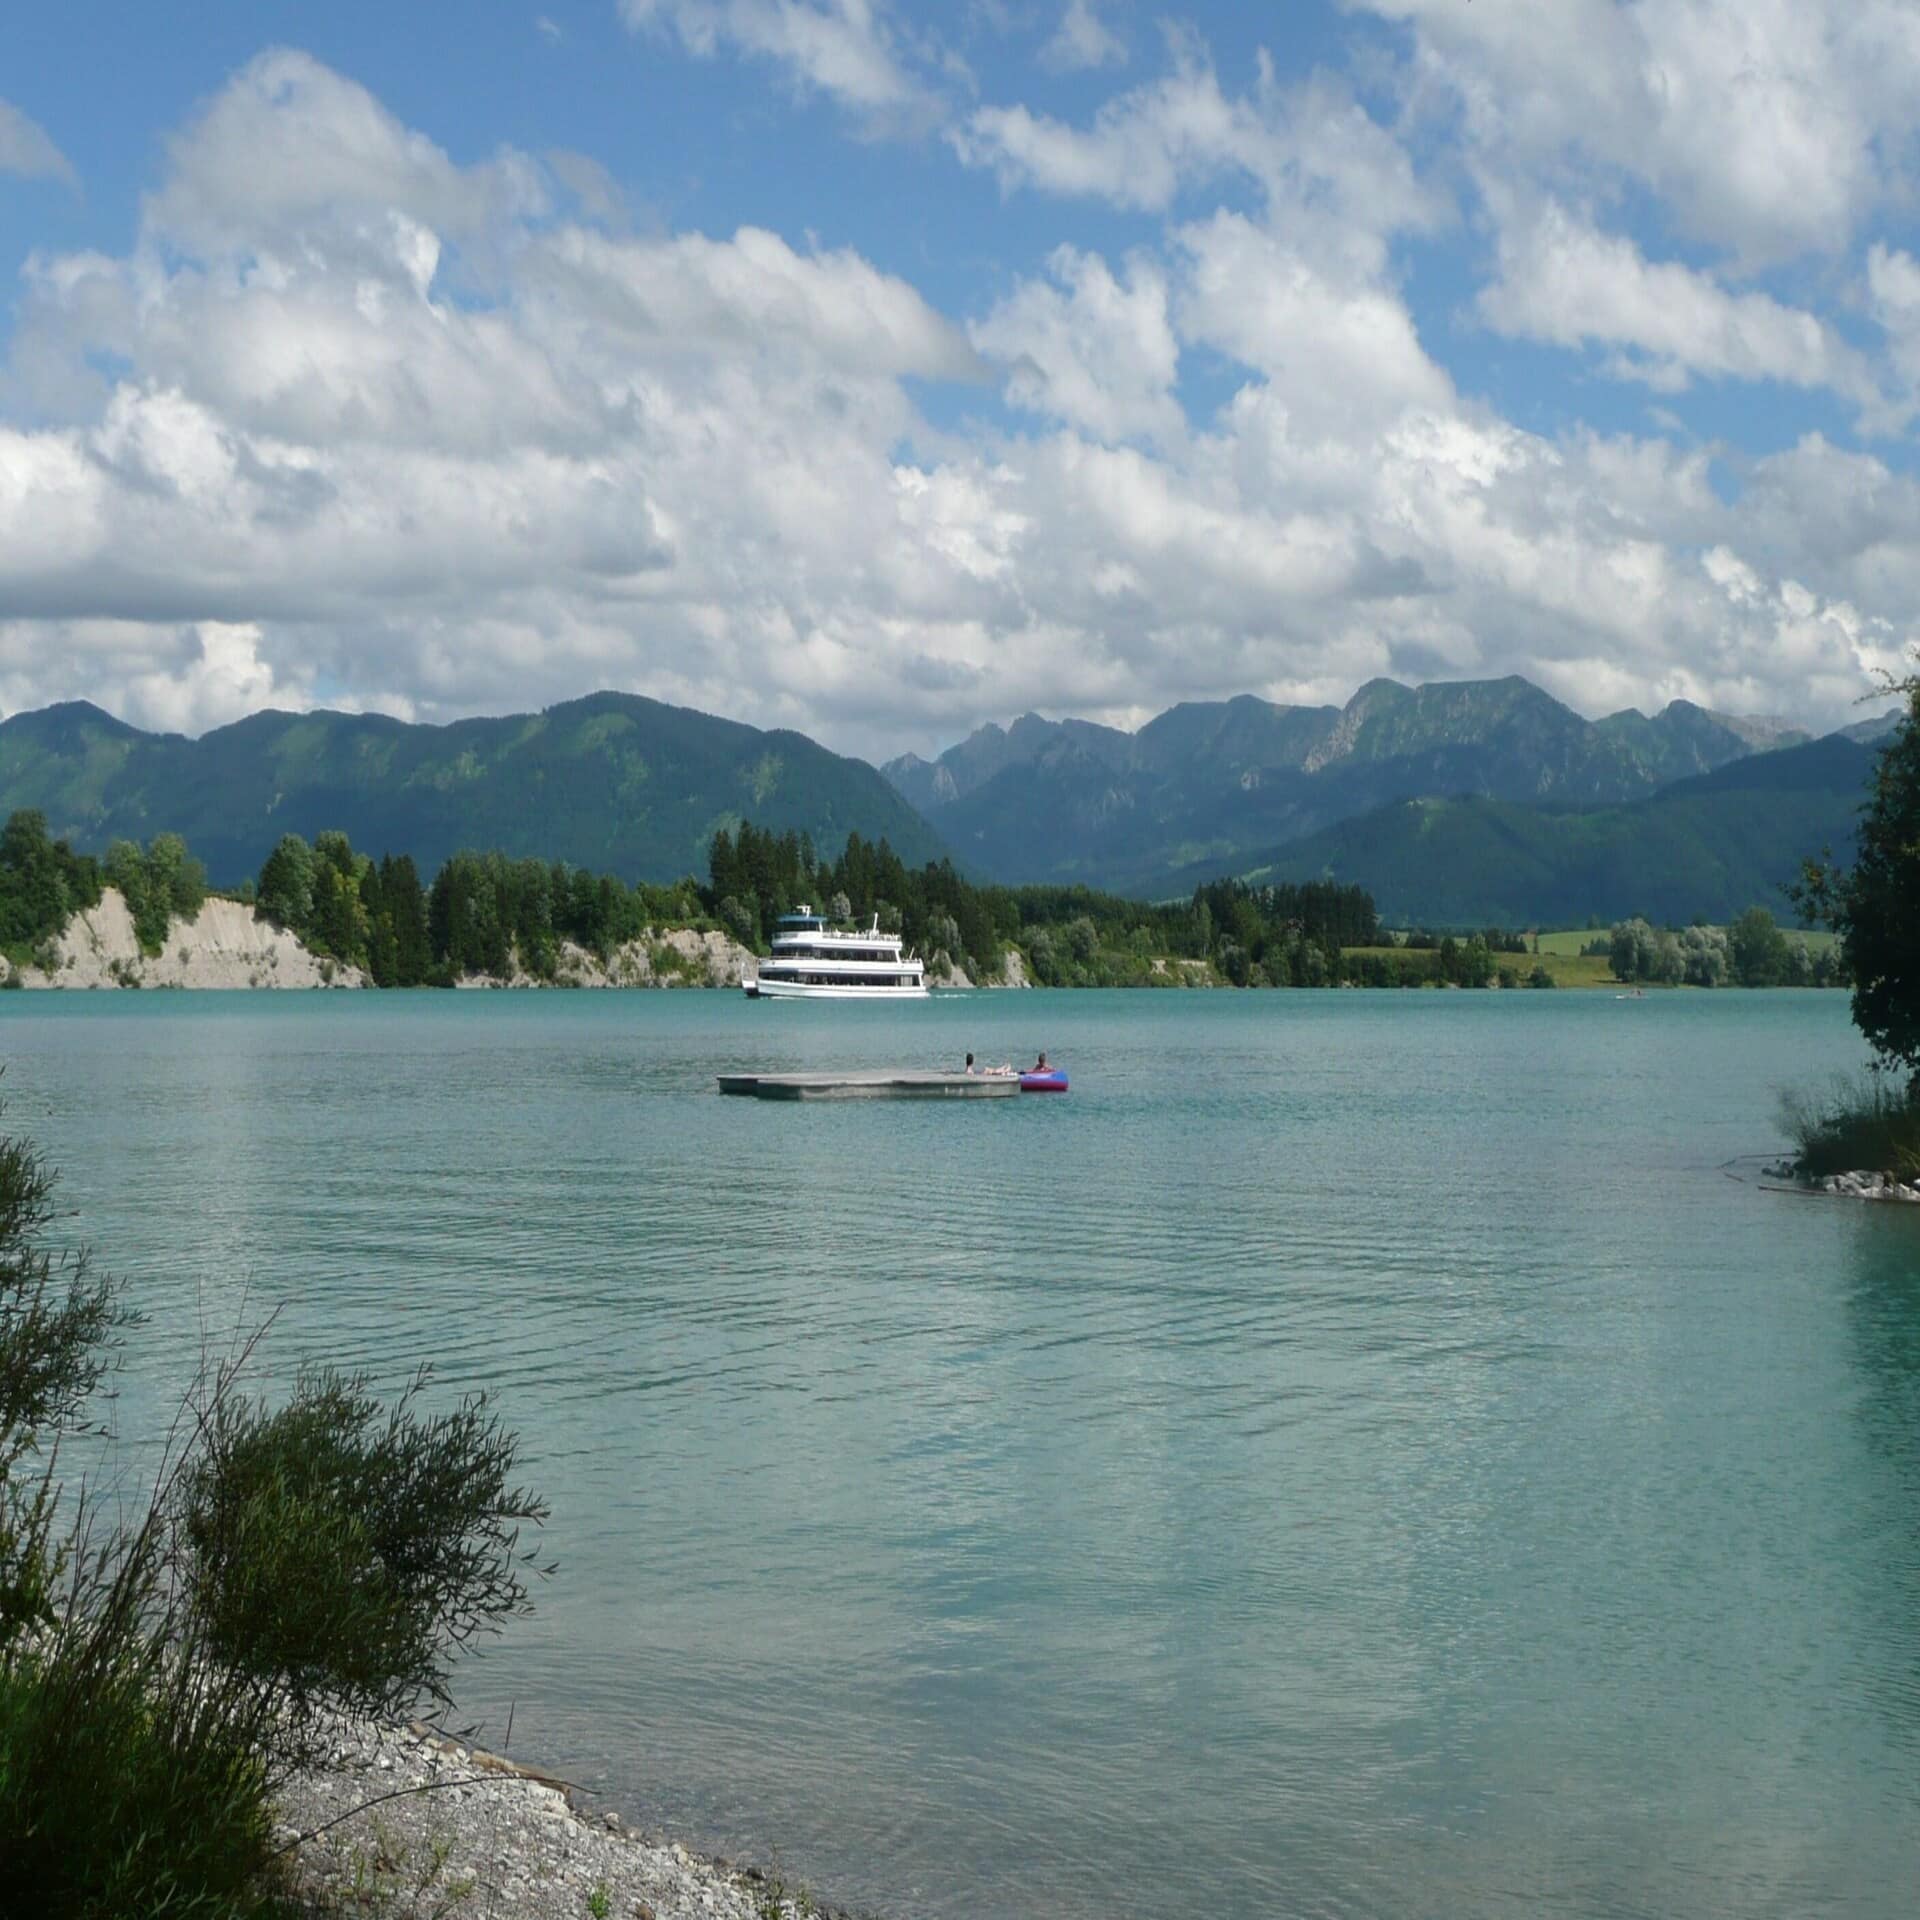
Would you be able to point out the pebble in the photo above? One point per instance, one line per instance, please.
(504, 1841)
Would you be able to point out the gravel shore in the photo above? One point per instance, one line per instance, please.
(406, 1824)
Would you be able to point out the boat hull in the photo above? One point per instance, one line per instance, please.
(869, 1086)
(796, 990)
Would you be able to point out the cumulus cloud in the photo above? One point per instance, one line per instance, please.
(26, 150)
(1090, 348)
(1563, 280)
(352, 418)
(1766, 128)
(290, 144)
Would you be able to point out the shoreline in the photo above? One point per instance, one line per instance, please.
(406, 1820)
(1861, 1183)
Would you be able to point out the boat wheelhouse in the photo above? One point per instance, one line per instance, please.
(813, 961)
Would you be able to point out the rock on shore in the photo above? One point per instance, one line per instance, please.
(1014, 971)
(677, 957)
(224, 945)
(1869, 1186)
(465, 1833)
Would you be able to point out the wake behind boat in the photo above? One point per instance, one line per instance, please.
(812, 961)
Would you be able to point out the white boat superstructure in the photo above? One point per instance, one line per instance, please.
(813, 961)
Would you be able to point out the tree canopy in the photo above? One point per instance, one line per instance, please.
(1874, 906)
(43, 883)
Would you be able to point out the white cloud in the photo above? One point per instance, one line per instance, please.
(1767, 128)
(290, 147)
(407, 430)
(1562, 280)
(1893, 299)
(753, 292)
(1083, 41)
(1309, 147)
(842, 48)
(1091, 349)
(26, 150)
(1335, 343)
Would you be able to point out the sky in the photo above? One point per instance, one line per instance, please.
(880, 369)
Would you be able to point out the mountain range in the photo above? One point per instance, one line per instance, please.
(1213, 785)
(1701, 849)
(1455, 803)
(613, 782)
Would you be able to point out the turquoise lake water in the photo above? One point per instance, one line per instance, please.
(1357, 1454)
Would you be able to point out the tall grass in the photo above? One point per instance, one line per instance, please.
(1865, 1124)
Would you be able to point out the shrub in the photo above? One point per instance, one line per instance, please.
(159, 1677)
(340, 1551)
(1853, 1126)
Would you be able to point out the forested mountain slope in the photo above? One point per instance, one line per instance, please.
(1706, 848)
(613, 782)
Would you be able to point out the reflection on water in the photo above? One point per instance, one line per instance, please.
(1883, 1268)
(1356, 1455)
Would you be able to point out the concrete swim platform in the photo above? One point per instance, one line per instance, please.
(885, 1084)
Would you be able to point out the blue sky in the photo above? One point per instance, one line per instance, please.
(880, 370)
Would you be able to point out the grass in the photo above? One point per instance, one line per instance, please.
(1868, 1125)
(1569, 940)
(775, 1899)
(1569, 967)
(391, 1883)
(1577, 969)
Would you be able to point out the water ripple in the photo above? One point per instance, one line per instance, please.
(1354, 1456)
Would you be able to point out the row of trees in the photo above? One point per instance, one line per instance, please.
(1071, 936)
(43, 883)
(483, 911)
(1753, 952)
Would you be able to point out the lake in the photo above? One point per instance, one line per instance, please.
(1357, 1454)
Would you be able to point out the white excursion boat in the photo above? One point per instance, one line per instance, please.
(812, 961)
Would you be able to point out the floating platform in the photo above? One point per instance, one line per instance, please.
(887, 1084)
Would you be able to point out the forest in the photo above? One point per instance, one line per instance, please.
(489, 914)
(485, 913)
(1069, 936)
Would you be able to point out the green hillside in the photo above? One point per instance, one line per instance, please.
(1705, 849)
(613, 782)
